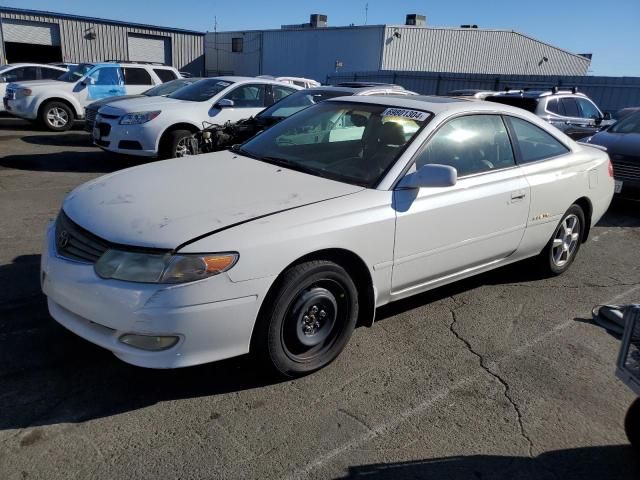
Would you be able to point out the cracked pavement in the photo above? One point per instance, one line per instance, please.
(501, 376)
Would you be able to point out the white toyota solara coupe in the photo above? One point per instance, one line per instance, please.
(281, 246)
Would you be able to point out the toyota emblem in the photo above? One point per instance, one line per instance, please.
(63, 238)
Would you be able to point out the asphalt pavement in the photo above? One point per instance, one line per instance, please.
(502, 376)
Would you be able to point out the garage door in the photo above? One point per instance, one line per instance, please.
(145, 48)
(35, 33)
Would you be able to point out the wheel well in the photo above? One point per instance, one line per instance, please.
(60, 100)
(173, 128)
(587, 208)
(354, 266)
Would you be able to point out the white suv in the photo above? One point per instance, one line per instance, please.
(162, 126)
(58, 102)
(20, 72)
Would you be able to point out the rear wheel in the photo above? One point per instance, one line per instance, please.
(176, 144)
(565, 242)
(56, 116)
(632, 424)
(308, 319)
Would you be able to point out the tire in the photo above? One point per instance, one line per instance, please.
(170, 146)
(564, 244)
(632, 425)
(307, 319)
(56, 116)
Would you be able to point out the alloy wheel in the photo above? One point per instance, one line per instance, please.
(565, 241)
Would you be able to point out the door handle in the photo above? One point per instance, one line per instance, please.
(519, 195)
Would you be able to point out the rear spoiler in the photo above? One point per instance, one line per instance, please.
(593, 145)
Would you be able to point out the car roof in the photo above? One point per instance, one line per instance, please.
(25, 64)
(240, 79)
(355, 90)
(537, 93)
(432, 104)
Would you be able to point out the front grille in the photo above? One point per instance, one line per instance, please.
(105, 129)
(626, 170)
(90, 118)
(76, 243)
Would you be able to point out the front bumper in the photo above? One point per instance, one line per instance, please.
(213, 318)
(23, 107)
(138, 140)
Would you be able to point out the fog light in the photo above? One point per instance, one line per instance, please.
(149, 342)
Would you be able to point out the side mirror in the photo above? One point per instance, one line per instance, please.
(225, 103)
(607, 116)
(89, 81)
(430, 175)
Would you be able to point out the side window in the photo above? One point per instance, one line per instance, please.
(570, 107)
(164, 74)
(248, 96)
(280, 92)
(21, 74)
(49, 73)
(107, 76)
(471, 144)
(534, 143)
(552, 106)
(588, 109)
(136, 76)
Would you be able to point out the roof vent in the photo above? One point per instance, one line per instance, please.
(416, 20)
(318, 21)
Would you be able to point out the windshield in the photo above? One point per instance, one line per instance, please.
(299, 101)
(4, 67)
(630, 124)
(202, 90)
(75, 72)
(350, 142)
(526, 103)
(167, 88)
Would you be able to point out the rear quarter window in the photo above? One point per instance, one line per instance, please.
(533, 142)
(164, 74)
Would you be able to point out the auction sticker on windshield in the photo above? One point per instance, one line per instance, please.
(403, 112)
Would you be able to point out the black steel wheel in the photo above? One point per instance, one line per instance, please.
(308, 319)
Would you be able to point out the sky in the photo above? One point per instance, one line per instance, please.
(608, 29)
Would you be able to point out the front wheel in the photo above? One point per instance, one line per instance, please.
(632, 424)
(308, 319)
(56, 116)
(565, 242)
(176, 144)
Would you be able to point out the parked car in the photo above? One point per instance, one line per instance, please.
(622, 142)
(569, 110)
(22, 72)
(218, 137)
(281, 246)
(162, 90)
(57, 103)
(623, 112)
(299, 81)
(162, 126)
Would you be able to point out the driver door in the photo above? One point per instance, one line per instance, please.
(448, 231)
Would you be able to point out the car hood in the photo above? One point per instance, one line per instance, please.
(118, 98)
(625, 144)
(165, 204)
(38, 83)
(144, 103)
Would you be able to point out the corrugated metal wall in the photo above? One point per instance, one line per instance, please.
(111, 41)
(220, 60)
(313, 53)
(475, 50)
(610, 93)
(310, 53)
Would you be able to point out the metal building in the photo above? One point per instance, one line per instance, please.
(34, 36)
(314, 50)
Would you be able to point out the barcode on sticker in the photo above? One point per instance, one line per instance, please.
(416, 115)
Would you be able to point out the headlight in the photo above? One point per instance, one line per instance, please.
(138, 117)
(155, 268)
(24, 92)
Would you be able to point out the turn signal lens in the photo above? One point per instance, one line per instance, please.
(610, 169)
(188, 268)
(25, 92)
(219, 263)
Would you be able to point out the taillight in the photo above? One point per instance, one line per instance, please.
(610, 169)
